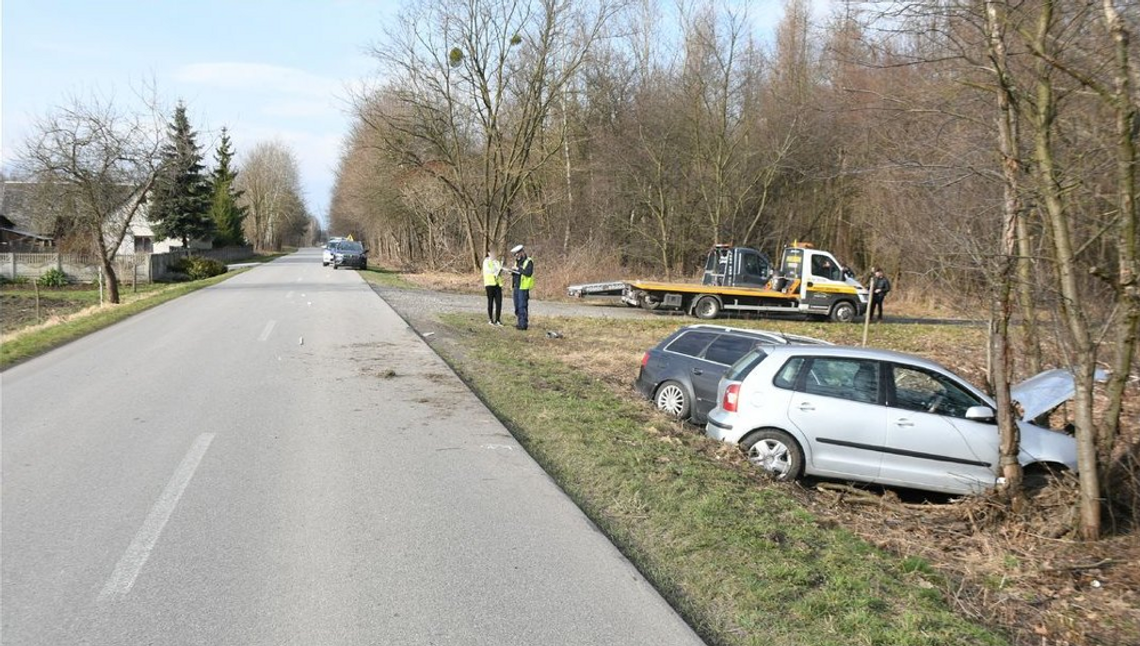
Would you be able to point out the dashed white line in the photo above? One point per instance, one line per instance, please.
(133, 560)
(267, 331)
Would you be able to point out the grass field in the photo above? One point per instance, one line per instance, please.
(744, 562)
(69, 314)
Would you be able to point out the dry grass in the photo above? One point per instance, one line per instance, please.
(1023, 572)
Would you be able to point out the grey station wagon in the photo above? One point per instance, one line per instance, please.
(680, 374)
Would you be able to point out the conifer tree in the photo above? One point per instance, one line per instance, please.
(225, 212)
(180, 200)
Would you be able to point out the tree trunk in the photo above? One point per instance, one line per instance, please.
(1072, 296)
(1027, 302)
(1126, 284)
(106, 260)
(1002, 368)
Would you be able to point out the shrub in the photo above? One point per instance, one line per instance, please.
(52, 278)
(197, 268)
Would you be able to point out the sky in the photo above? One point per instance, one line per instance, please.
(265, 69)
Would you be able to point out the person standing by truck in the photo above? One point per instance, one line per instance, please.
(880, 286)
(493, 284)
(522, 281)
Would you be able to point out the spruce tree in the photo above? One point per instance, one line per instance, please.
(180, 200)
(225, 212)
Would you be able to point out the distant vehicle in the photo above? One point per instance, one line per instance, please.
(327, 254)
(878, 416)
(350, 254)
(680, 374)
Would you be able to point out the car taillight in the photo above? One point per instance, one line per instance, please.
(644, 359)
(731, 398)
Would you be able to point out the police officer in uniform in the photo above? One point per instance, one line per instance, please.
(522, 281)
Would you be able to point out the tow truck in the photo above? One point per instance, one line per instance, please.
(740, 280)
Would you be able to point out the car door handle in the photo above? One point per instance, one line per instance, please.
(902, 421)
(805, 406)
(698, 371)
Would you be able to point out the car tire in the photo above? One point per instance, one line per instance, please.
(707, 308)
(843, 312)
(672, 399)
(774, 452)
(324, 264)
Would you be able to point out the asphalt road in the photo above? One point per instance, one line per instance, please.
(279, 459)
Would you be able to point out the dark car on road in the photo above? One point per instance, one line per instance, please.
(349, 254)
(680, 374)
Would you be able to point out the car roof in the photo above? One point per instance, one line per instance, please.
(855, 352)
(753, 332)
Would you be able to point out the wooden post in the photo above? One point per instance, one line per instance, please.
(36, 289)
(867, 314)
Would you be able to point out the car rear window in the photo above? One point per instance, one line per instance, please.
(744, 365)
(786, 377)
(728, 348)
(691, 343)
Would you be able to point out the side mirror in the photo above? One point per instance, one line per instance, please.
(980, 414)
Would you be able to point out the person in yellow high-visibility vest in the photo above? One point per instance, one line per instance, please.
(522, 281)
(493, 284)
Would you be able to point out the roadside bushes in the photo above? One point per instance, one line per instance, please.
(52, 278)
(197, 268)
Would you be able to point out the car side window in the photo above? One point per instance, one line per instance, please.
(786, 377)
(728, 348)
(928, 392)
(691, 343)
(851, 379)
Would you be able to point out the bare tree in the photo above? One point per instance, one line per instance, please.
(476, 83)
(95, 163)
(271, 186)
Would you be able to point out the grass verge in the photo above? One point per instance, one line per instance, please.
(739, 558)
(386, 278)
(25, 345)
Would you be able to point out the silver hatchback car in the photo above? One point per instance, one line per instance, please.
(872, 416)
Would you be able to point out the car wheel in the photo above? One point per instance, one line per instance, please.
(1036, 477)
(776, 453)
(707, 308)
(324, 264)
(672, 399)
(843, 312)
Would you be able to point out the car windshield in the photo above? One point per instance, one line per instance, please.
(350, 246)
(739, 370)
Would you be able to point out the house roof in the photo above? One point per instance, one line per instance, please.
(16, 208)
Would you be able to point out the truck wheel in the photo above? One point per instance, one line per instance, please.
(708, 307)
(843, 312)
(648, 303)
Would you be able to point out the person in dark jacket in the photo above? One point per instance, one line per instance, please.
(880, 286)
(522, 280)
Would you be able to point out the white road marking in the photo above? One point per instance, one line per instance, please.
(498, 447)
(138, 551)
(267, 331)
